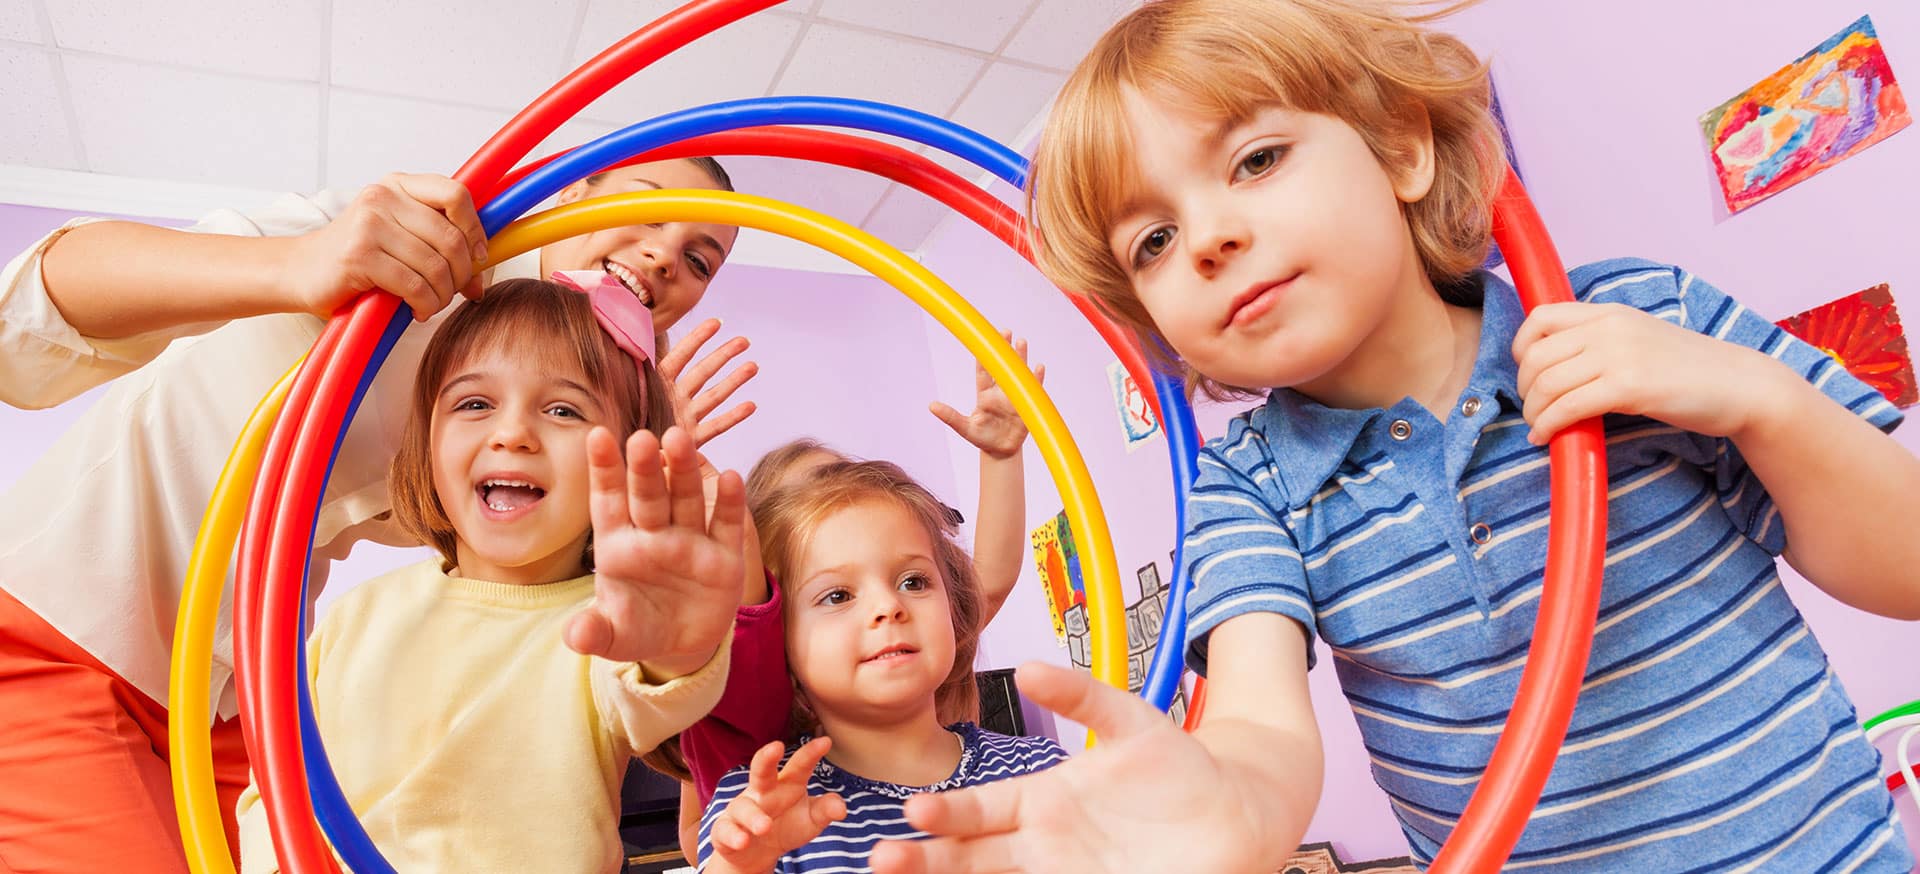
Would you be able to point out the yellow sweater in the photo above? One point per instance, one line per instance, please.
(468, 737)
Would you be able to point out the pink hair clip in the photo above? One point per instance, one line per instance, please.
(619, 313)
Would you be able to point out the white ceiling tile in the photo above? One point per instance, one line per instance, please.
(371, 135)
(981, 25)
(1006, 100)
(500, 53)
(906, 217)
(1061, 31)
(274, 38)
(1001, 106)
(18, 22)
(36, 131)
(735, 62)
(847, 195)
(141, 120)
(839, 62)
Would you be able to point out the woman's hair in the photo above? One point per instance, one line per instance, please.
(707, 165)
(534, 318)
(1371, 63)
(788, 517)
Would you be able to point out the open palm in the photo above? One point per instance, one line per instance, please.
(666, 579)
(1148, 797)
(994, 426)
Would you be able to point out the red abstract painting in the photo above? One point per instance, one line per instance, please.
(1862, 331)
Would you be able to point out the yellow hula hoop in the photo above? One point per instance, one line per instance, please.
(189, 698)
(1105, 610)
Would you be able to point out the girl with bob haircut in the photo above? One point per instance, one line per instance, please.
(1291, 198)
(883, 622)
(484, 705)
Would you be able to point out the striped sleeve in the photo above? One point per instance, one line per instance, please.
(1678, 296)
(731, 785)
(1239, 554)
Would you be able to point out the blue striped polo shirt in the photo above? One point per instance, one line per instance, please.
(877, 810)
(1710, 733)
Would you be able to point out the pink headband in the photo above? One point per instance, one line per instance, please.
(619, 313)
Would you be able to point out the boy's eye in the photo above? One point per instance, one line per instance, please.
(1257, 162)
(1153, 244)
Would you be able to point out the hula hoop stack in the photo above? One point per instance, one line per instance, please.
(269, 492)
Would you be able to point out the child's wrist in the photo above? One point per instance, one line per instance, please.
(992, 456)
(672, 666)
(1775, 397)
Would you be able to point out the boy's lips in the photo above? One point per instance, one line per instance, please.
(1256, 301)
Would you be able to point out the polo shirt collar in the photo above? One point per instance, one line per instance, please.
(1311, 439)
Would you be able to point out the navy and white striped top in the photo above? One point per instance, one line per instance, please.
(877, 810)
(1710, 734)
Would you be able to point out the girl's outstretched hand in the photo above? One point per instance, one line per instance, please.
(1149, 797)
(693, 403)
(775, 815)
(993, 426)
(666, 579)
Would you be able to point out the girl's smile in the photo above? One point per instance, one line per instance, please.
(508, 443)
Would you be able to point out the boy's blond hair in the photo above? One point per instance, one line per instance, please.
(1370, 63)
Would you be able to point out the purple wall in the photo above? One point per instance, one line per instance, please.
(1603, 99)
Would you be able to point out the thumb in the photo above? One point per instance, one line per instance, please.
(949, 415)
(1110, 713)
(826, 810)
(588, 632)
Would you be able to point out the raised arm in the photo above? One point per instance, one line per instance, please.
(999, 533)
(417, 236)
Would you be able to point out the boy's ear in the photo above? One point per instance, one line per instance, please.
(1413, 177)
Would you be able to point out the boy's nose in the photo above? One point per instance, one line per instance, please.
(1215, 242)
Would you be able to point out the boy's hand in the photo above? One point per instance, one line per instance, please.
(666, 580)
(775, 816)
(993, 426)
(691, 406)
(416, 236)
(1578, 361)
(1087, 815)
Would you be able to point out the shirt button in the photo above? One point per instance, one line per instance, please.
(1471, 406)
(1481, 533)
(1401, 429)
